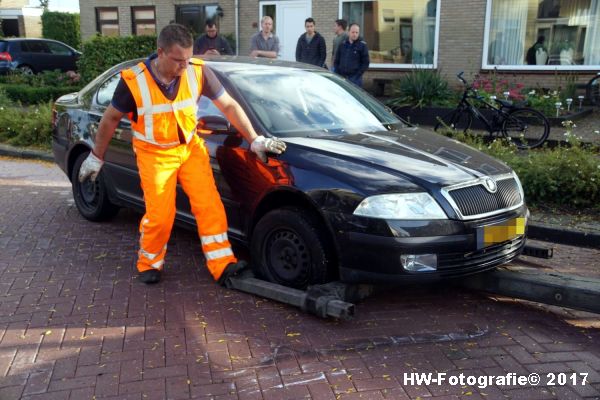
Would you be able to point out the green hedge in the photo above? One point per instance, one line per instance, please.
(562, 176)
(101, 52)
(62, 26)
(25, 94)
(30, 126)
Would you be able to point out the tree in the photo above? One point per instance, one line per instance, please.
(44, 4)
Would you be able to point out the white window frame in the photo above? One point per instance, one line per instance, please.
(405, 66)
(524, 67)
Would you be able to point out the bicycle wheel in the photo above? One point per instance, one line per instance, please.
(592, 90)
(459, 120)
(525, 127)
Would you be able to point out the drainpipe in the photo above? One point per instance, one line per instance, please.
(237, 27)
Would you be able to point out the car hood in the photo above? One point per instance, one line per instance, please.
(421, 156)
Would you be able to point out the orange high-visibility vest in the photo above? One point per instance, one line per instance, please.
(157, 116)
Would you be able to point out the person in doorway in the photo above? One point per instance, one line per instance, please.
(159, 97)
(352, 57)
(264, 43)
(311, 47)
(211, 42)
(340, 36)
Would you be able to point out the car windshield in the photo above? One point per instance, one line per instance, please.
(292, 102)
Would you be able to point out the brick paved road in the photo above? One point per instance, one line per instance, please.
(74, 324)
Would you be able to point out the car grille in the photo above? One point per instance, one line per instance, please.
(476, 200)
(480, 259)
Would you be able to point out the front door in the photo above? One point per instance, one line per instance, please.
(288, 22)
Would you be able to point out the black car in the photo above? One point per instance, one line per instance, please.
(31, 56)
(359, 195)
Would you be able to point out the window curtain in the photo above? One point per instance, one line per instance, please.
(423, 31)
(507, 32)
(591, 49)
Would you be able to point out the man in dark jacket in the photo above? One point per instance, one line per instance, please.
(311, 48)
(211, 42)
(352, 58)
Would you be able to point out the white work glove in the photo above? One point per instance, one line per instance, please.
(262, 145)
(90, 167)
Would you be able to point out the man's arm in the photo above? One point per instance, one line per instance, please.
(90, 168)
(108, 124)
(322, 51)
(336, 62)
(236, 115)
(299, 48)
(364, 59)
(260, 145)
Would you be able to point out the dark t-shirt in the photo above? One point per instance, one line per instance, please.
(123, 99)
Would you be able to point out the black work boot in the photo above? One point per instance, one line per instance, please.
(150, 276)
(232, 269)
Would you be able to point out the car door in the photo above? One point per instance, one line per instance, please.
(63, 57)
(37, 54)
(224, 149)
(120, 166)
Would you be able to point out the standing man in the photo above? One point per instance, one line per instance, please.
(211, 42)
(311, 47)
(340, 36)
(159, 96)
(352, 57)
(264, 43)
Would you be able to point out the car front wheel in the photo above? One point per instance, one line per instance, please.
(25, 70)
(91, 197)
(290, 247)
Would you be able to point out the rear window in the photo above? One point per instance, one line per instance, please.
(3, 47)
(34, 46)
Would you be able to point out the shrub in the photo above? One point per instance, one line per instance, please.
(45, 78)
(102, 52)
(61, 26)
(422, 88)
(25, 94)
(5, 101)
(562, 176)
(26, 126)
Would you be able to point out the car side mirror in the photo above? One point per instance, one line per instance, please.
(216, 124)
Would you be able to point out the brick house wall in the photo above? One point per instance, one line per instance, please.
(460, 47)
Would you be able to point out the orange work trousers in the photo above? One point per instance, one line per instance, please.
(160, 169)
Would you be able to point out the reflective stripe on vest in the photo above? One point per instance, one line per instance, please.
(148, 111)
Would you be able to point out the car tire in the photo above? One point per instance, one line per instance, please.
(91, 198)
(26, 70)
(290, 247)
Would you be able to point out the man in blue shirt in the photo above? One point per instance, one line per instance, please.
(352, 58)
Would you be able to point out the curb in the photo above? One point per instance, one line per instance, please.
(571, 237)
(11, 151)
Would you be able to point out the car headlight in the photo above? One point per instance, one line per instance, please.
(401, 206)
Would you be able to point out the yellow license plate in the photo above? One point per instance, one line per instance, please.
(507, 230)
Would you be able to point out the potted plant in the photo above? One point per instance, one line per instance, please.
(564, 48)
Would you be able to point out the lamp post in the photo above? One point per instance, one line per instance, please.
(569, 102)
(558, 105)
(580, 102)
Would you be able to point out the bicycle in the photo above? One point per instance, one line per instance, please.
(592, 90)
(525, 127)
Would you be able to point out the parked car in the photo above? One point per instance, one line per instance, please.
(31, 56)
(359, 195)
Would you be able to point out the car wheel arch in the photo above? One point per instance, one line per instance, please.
(291, 198)
(75, 152)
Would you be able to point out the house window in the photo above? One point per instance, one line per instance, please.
(194, 16)
(143, 21)
(398, 33)
(542, 34)
(107, 21)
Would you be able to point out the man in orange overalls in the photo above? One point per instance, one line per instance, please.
(160, 98)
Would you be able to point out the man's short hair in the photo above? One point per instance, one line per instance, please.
(309, 19)
(352, 24)
(342, 22)
(210, 23)
(266, 17)
(174, 34)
